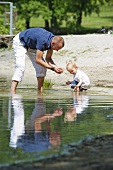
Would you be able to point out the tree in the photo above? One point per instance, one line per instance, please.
(33, 8)
(78, 7)
(54, 12)
(58, 13)
(28, 8)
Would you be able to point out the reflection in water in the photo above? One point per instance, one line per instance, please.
(80, 102)
(34, 137)
(18, 124)
(34, 130)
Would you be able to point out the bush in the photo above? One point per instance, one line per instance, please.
(4, 30)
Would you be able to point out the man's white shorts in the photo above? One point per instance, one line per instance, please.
(20, 56)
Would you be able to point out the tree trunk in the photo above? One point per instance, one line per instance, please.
(47, 25)
(54, 24)
(79, 19)
(27, 23)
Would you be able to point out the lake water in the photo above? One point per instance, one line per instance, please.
(33, 125)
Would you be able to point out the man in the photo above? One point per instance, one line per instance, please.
(32, 43)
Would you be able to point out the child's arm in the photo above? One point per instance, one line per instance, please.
(78, 85)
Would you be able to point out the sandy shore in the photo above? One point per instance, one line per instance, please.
(93, 53)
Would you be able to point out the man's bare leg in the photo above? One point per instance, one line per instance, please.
(13, 86)
(40, 81)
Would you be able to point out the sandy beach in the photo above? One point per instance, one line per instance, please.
(93, 53)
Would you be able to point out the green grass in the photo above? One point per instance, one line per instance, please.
(37, 22)
(89, 23)
(48, 84)
(94, 21)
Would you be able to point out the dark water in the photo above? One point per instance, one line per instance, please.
(33, 125)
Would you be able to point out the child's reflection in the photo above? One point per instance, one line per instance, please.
(36, 138)
(80, 102)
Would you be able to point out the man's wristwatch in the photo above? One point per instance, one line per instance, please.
(52, 68)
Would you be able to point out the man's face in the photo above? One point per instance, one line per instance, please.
(56, 46)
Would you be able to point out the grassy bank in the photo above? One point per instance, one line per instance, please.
(95, 22)
(90, 23)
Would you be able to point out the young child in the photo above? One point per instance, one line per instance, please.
(80, 79)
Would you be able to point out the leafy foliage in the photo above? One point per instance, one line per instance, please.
(56, 12)
(4, 30)
(19, 26)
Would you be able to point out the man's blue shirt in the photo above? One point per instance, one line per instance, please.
(36, 38)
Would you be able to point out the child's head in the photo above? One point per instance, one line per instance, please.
(71, 67)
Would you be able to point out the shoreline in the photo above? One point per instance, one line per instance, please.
(93, 53)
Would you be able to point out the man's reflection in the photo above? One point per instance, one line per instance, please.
(38, 135)
(80, 102)
(18, 125)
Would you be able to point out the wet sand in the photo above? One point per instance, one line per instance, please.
(93, 53)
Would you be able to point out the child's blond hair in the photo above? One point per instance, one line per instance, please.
(70, 64)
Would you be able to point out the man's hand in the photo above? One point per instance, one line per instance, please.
(58, 70)
(58, 112)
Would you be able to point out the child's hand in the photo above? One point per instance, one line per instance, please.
(76, 89)
(68, 82)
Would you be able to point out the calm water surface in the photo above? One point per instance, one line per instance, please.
(31, 124)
